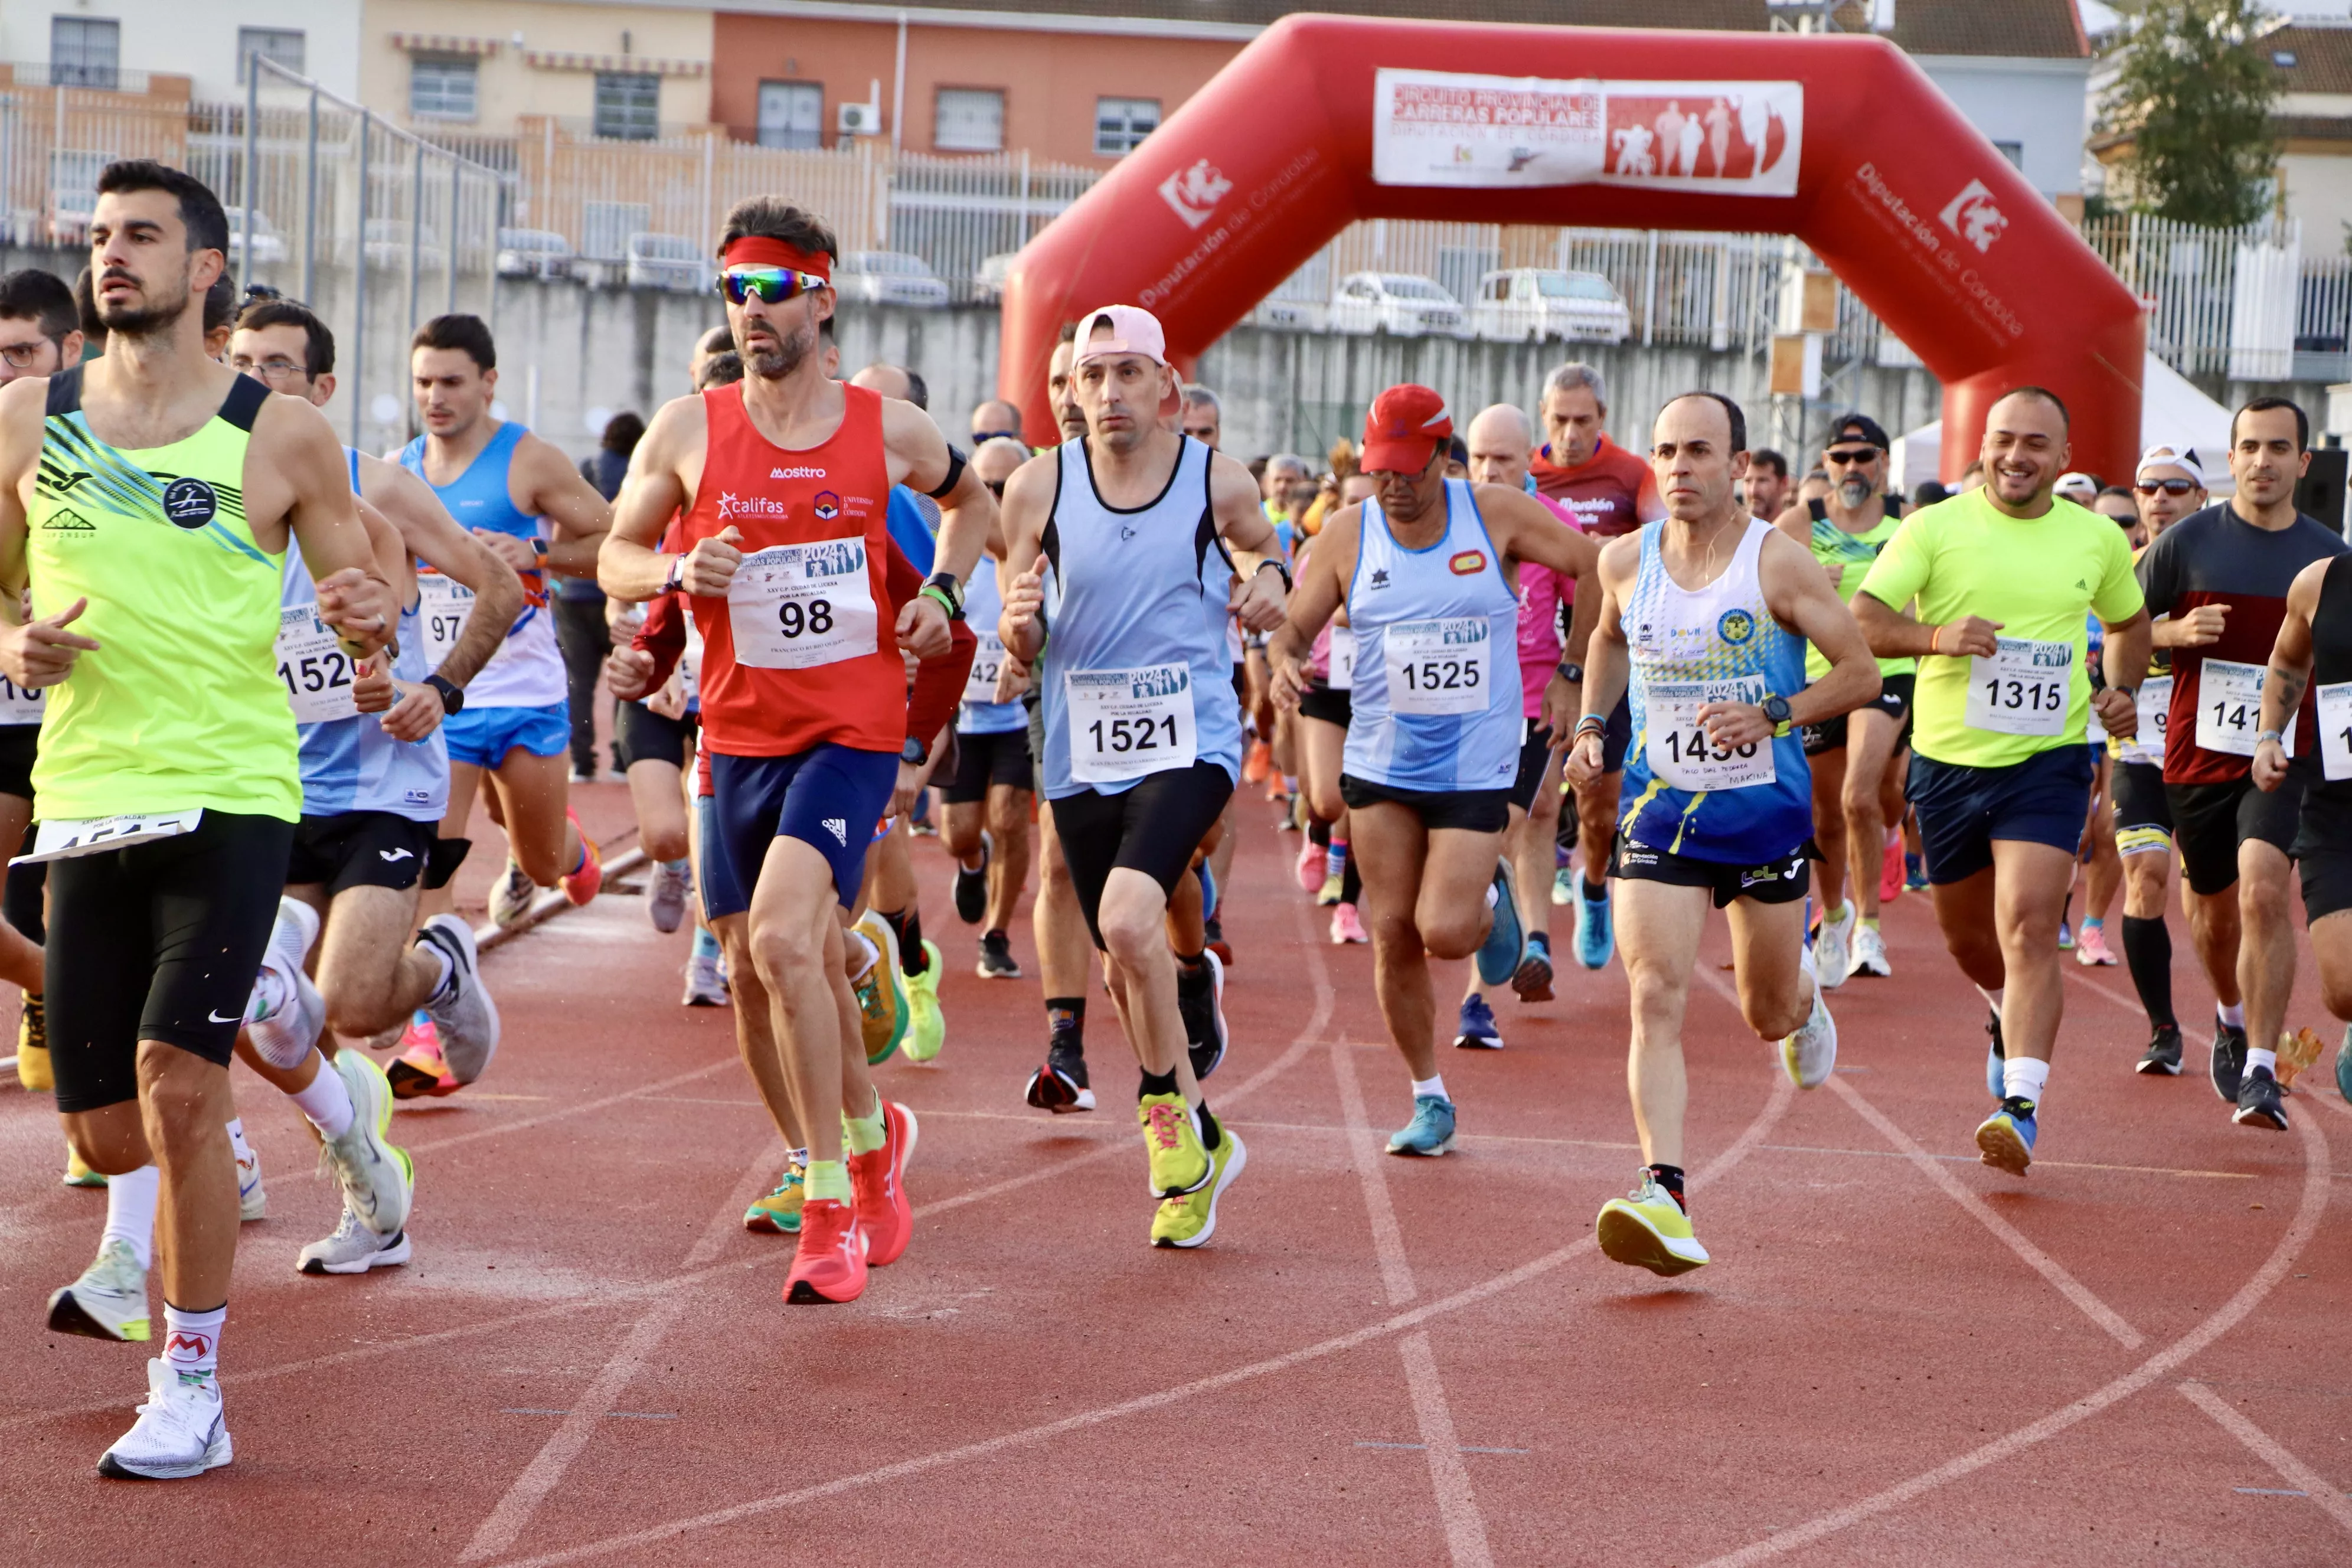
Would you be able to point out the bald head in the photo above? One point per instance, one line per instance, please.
(887, 379)
(1501, 440)
(995, 459)
(994, 418)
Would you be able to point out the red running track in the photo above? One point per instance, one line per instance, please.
(1898, 1355)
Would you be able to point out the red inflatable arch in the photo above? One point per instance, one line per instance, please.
(1839, 140)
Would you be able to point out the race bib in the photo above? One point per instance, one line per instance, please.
(2022, 689)
(18, 706)
(442, 605)
(313, 667)
(2154, 702)
(794, 607)
(67, 838)
(1126, 724)
(1438, 668)
(987, 664)
(1343, 660)
(1679, 753)
(2335, 730)
(2229, 708)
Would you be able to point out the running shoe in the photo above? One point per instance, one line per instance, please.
(1172, 1142)
(1890, 870)
(419, 1070)
(1995, 1055)
(1833, 947)
(1201, 999)
(1915, 873)
(2065, 936)
(352, 1249)
(2091, 949)
(877, 1186)
(2343, 1064)
(1061, 1084)
(379, 1181)
(1533, 981)
(33, 1070)
(1430, 1131)
(882, 994)
(1330, 893)
(778, 1214)
(2163, 1053)
(78, 1171)
(971, 884)
(1808, 1055)
(581, 883)
(830, 1266)
(1348, 926)
(1870, 954)
(510, 896)
(1312, 859)
(997, 960)
(1564, 886)
(705, 987)
(2260, 1102)
(1258, 763)
(2228, 1062)
(927, 1027)
(1213, 933)
(666, 895)
(180, 1432)
(1477, 1030)
(465, 1019)
(1506, 947)
(109, 1302)
(252, 1198)
(288, 1032)
(2005, 1141)
(1649, 1228)
(1191, 1220)
(1595, 940)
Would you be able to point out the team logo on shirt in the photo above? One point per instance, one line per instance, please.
(190, 503)
(828, 506)
(1380, 576)
(1735, 626)
(64, 520)
(1467, 562)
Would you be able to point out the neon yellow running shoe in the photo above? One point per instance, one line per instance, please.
(1192, 1219)
(882, 995)
(1649, 1229)
(778, 1214)
(78, 1173)
(1172, 1140)
(927, 1027)
(33, 1071)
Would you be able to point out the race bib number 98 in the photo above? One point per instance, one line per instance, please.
(1126, 724)
(2024, 689)
(1438, 668)
(793, 607)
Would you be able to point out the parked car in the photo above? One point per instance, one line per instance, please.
(666, 261)
(387, 244)
(1397, 303)
(533, 253)
(1297, 315)
(1525, 304)
(988, 277)
(269, 245)
(888, 278)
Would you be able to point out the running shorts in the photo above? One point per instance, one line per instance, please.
(481, 737)
(982, 761)
(2045, 799)
(2210, 820)
(642, 735)
(828, 797)
(1535, 756)
(2322, 849)
(1328, 704)
(358, 850)
(2143, 813)
(1153, 827)
(1894, 700)
(19, 743)
(1470, 810)
(160, 941)
(1779, 881)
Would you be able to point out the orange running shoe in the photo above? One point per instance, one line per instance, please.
(581, 886)
(1258, 763)
(830, 1266)
(878, 1186)
(419, 1070)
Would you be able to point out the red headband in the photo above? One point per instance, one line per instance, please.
(760, 250)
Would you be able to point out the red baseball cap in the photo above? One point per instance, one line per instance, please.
(1408, 426)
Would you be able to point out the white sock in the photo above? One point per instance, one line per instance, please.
(327, 1102)
(446, 966)
(2233, 1017)
(1992, 996)
(272, 993)
(2257, 1057)
(192, 1341)
(1435, 1085)
(244, 1151)
(1830, 917)
(1494, 892)
(862, 967)
(131, 1212)
(2022, 1077)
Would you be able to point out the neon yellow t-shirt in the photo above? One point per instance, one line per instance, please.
(1852, 554)
(2039, 578)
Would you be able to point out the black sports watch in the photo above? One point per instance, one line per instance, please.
(1571, 673)
(1775, 709)
(943, 587)
(453, 696)
(914, 754)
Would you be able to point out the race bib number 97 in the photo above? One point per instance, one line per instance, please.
(441, 607)
(1126, 724)
(2024, 689)
(1439, 668)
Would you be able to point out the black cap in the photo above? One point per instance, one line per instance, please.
(1861, 426)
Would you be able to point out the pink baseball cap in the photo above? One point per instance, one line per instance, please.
(1133, 331)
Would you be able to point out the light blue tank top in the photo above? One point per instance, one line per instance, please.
(350, 764)
(1436, 699)
(984, 606)
(527, 671)
(1136, 661)
(1715, 643)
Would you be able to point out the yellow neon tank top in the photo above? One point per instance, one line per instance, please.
(179, 705)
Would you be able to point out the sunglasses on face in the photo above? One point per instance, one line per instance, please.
(980, 436)
(1855, 456)
(773, 284)
(2169, 487)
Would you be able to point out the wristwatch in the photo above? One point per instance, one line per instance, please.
(1276, 561)
(1571, 673)
(453, 696)
(914, 754)
(942, 588)
(1776, 710)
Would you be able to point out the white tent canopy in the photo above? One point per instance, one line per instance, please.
(2173, 412)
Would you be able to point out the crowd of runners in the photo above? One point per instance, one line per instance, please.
(256, 684)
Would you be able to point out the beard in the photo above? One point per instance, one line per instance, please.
(778, 356)
(1854, 492)
(152, 319)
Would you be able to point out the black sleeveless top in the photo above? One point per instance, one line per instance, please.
(2331, 657)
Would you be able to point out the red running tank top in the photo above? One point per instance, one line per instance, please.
(835, 493)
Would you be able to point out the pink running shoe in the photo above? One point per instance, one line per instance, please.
(1345, 926)
(419, 1070)
(1311, 866)
(582, 885)
(1890, 870)
(2090, 947)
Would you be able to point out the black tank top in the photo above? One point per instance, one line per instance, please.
(2331, 652)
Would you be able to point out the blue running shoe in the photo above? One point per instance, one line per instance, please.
(1208, 890)
(1507, 944)
(2005, 1141)
(2343, 1064)
(1915, 873)
(1994, 1058)
(1478, 1030)
(1430, 1131)
(1595, 940)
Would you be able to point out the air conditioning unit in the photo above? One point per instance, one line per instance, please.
(859, 119)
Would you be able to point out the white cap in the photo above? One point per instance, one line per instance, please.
(2077, 486)
(2166, 458)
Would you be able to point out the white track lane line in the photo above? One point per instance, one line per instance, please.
(2271, 1452)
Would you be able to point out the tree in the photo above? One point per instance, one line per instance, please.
(2193, 93)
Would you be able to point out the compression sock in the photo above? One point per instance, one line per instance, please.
(131, 1212)
(1670, 1178)
(706, 944)
(1351, 882)
(327, 1102)
(907, 924)
(1066, 1014)
(865, 1133)
(192, 1341)
(1335, 857)
(2147, 951)
(826, 1179)
(1319, 832)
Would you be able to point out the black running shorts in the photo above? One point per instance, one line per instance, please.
(642, 735)
(360, 850)
(1470, 810)
(2210, 820)
(1329, 704)
(2143, 812)
(982, 761)
(2323, 851)
(17, 744)
(1779, 881)
(1153, 827)
(1535, 756)
(1894, 700)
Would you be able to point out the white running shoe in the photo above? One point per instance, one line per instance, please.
(252, 1201)
(352, 1249)
(287, 1036)
(511, 896)
(666, 894)
(1810, 1053)
(378, 1181)
(1833, 948)
(109, 1302)
(181, 1431)
(705, 983)
(1870, 954)
(466, 1017)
